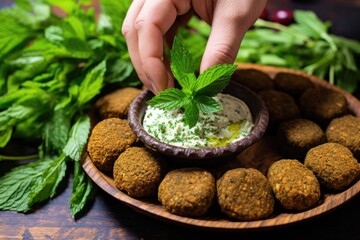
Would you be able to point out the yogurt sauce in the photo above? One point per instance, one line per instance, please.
(232, 123)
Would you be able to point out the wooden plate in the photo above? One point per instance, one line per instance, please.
(260, 156)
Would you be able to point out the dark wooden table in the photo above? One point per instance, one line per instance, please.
(106, 218)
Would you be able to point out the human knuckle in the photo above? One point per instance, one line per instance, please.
(224, 52)
(139, 24)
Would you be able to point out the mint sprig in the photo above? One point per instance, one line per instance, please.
(196, 93)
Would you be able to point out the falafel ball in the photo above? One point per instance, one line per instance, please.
(345, 131)
(295, 137)
(138, 171)
(254, 79)
(322, 105)
(116, 103)
(334, 165)
(294, 186)
(281, 106)
(187, 191)
(245, 194)
(108, 139)
(291, 83)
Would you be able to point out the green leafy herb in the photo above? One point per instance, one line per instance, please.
(78, 138)
(25, 185)
(83, 190)
(51, 70)
(196, 93)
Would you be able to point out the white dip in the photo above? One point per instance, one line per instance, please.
(230, 124)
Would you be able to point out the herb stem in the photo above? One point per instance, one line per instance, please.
(328, 57)
(280, 27)
(18, 158)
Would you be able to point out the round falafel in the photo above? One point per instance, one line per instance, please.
(295, 137)
(187, 191)
(254, 79)
(138, 171)
(292, 84)
(117, 103)
(108, 139)
(245, 194)
(294, 186)
(333, 164)
(281, 106)
(345, 131)
(322, 105)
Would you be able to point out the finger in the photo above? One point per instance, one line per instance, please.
(231, 20)
(154, 20)
(131, 37)
(179, 22)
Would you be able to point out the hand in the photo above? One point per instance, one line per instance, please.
(150, 23)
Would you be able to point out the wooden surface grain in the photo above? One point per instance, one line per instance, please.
(107, 218)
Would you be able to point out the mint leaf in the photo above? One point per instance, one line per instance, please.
(78, 138)
(207, 104)
(56, 132)
(92, 83)
(214, 80)
(191, 113)
(182, 64)
(14, 115)
(83, 190)
(16, 185)
(168, 99)
(25, 185)
(5, 137)
(48, 181)
(196, 94)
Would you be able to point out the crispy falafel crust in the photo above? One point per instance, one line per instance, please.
(139, 171)
(116, 104)
(296, 137)
(108, 139)
(345, 131)
(281, 106)
(187, 191)
(254, 79)
(322, 105)
(294, 186)
(334, 165)
(245, 194)
(292, 84)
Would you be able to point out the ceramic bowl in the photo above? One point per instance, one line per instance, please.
(202, 156)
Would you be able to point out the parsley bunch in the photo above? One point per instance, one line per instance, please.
(197, 92)
(51, 70)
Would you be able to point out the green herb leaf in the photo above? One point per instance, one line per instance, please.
(168, 99)
(5, 137)
(83, 190)
(23, 186)
(196, 94)
(191, 113)
(47, 183)
(14, 115)
(182, 65)
(78, 138)
(56, 132)
(214, 80)
(207, 104)
(92, 83)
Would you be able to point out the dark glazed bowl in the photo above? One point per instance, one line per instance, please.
(202, 156)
